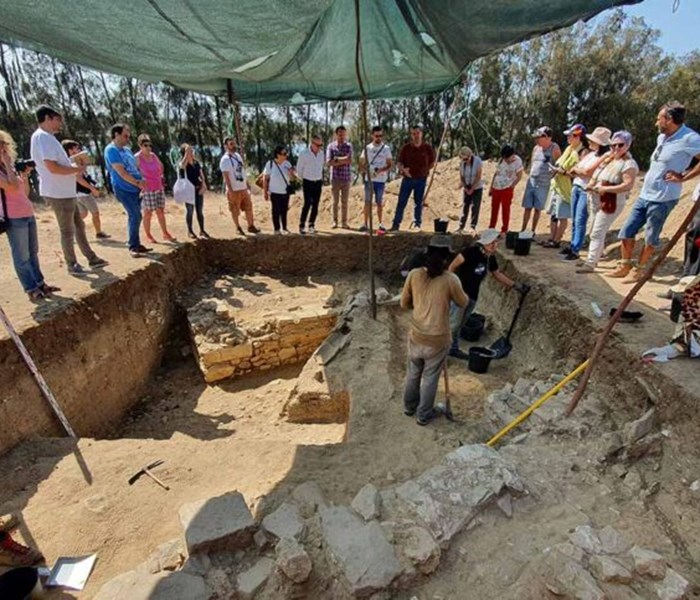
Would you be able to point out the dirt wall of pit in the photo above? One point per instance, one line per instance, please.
(97, 354)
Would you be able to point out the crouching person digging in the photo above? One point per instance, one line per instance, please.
(428, 291)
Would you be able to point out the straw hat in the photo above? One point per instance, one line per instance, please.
(465, 151)
(600, 135)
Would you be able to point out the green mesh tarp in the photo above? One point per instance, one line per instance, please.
(288, 51)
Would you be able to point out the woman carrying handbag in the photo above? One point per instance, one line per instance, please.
(277, 188)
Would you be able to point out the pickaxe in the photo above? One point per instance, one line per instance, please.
(146, 471)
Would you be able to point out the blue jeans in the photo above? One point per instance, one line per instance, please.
(408, 185)
(424, 367)
(579, 208)
(458, 319)
(378, 188)
(651, 216)
(131, 201)
(24, 244)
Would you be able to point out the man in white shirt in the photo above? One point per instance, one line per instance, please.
(310, 170)
(375, 163)
(237, 188)
(57, 178)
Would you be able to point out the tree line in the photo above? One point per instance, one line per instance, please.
(612, 74)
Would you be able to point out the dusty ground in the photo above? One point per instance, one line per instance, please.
(217, 438)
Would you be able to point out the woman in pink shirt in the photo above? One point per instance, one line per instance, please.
(21, 224)
(153, 196)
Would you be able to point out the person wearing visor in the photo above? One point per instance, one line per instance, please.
(472, 265)
(544, 154)
(609, 187)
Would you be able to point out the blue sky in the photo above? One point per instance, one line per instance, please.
(680, 31)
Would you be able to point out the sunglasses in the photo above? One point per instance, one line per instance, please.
(618, 145)
(145, 143)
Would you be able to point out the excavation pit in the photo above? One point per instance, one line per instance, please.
(244, 433)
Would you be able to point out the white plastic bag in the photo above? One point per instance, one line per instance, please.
(183, 191)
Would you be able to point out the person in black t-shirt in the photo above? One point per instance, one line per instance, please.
(190, 168)
(472, 265)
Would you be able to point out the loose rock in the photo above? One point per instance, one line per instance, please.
(367, 503)
(673, 587)
(648, 563)
(136, 585)
(608, 570)
(285, 522)
(250, 581)
(217, 523)
(293, 560)
(636, 430)
(309, 498)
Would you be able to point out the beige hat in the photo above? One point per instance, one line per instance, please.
(465, 151)
(441, 240)
(600, 135)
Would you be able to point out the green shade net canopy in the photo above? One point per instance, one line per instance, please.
(295, 51)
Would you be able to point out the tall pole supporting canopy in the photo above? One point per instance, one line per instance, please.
(368, 174)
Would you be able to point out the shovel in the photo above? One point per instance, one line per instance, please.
(502, 345)
(446, 409)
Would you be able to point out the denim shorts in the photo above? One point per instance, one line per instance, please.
(558, 207)
(650, 215)
(535, 196)
(378, 191)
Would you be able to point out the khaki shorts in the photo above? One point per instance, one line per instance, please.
(87, 204)
(239, 200)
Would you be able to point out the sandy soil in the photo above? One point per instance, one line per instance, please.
(217, 438)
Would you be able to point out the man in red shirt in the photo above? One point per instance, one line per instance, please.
(416, 158)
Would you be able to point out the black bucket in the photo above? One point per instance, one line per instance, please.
(480, 358)
(522, 246)
(440, 225)
(18, 584)
(511, 237)
(471, 331)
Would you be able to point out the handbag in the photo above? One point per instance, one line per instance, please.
(183, 190)
(4, 219)
(290, 189)
(608, 200)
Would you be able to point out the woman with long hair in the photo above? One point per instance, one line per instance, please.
(18, 213)
(610, 186)
(278, 175)
(190, 168)
(429, 290)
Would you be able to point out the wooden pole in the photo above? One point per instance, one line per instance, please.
(682, 228)
(373, 296)
(41, 382)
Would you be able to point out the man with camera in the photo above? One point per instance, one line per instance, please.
(57, 187)
(237, 188)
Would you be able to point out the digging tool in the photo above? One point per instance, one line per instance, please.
(446, 409)
(502, 345)
(38, 377)
(147, 471)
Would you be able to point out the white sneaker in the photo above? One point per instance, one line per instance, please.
(334, 226)
(285, 232)
(312, 229)
(302, 230)
(278, 232)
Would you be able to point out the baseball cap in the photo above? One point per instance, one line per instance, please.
(543, 131)
(577, 129)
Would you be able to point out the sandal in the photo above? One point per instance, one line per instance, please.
(551, 244)
(151, 239)
(49, 289)
(36, 295)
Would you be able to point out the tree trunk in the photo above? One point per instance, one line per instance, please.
(108, 98)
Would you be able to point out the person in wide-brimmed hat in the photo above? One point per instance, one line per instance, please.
(598, 144)
(428, 291)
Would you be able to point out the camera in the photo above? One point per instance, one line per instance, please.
(22, 164)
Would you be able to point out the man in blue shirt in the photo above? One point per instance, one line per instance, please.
(676, 147)
(126, 182)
